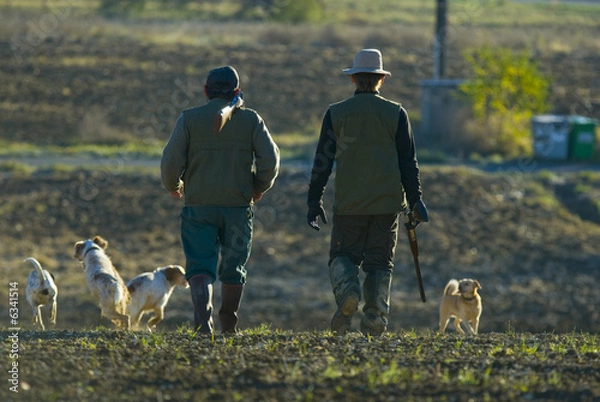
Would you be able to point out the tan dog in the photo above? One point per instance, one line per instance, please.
(103, 280)
(151, 291)
(462, 302)
(41, 291)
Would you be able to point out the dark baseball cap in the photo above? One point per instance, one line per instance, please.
(223, 78)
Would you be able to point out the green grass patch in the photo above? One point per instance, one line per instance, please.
(151, 149)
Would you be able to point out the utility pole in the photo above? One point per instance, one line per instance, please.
(439, 43)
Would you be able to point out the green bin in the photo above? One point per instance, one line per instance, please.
(582, 138)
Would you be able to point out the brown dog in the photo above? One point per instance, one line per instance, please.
(462, 302)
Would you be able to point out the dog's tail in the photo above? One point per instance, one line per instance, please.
(37, 266)
(121, 297)
(451, 288)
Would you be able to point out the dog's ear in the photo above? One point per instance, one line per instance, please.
(101, 242)
(477, 285)
(169, 273)
(78, 249)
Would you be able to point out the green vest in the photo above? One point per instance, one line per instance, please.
(220, 166)
(367, 180)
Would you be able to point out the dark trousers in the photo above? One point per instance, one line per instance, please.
(369, 240)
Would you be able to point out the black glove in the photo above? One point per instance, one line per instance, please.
(419, 211)
(315, 210)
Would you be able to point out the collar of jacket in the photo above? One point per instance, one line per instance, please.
(357, 92)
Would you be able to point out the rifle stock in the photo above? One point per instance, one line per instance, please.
(414, 248)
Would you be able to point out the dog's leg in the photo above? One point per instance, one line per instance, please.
(457, 326)
(122, 321)
(125, 321)
(34, 316)
(135, 315)
(38, 317)
(444, 323)
(159, 315)
(53, 312)
(474, 326)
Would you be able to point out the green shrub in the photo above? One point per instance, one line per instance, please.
(506, 90)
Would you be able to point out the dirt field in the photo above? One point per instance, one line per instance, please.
(276, 366)
(529, 238)
(81, 87)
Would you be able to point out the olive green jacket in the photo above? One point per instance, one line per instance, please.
(368, 179)
(223, 169)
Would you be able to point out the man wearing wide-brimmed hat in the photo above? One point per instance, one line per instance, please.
(223, 175)
(377, 176)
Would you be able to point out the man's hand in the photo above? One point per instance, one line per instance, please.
(315, 212)
(256, 195)
(179, 192)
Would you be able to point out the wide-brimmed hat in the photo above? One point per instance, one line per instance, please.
(223, 78)
(367, 61)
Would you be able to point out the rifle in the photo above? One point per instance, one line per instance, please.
(224, 114)
(413, 218)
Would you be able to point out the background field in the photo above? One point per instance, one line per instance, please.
(88, 102)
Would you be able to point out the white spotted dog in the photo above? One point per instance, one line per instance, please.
(103, 280)
(41, 291)
(151, 291)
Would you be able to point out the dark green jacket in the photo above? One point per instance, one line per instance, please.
(221, 169)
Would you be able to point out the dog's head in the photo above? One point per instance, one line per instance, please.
(175, 275)
(82, 247)
(468, 287)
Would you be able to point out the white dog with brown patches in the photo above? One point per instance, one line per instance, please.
(462, 302)
(41, 291)
(151, 291)
(103, 280)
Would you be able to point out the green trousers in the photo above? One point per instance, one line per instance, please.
(210, 232)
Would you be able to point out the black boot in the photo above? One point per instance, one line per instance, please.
(202, 290)
(231, 297)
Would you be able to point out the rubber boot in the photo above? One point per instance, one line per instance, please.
(346, 290)
(376, 291)
(231, 297)
(202, 290)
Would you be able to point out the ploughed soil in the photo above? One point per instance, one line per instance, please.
(274, 366)
(76, 88)
(530, 239)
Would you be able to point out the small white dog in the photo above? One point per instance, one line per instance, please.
(41, 291)
(151, 291)
(103, 280)
(462, 302)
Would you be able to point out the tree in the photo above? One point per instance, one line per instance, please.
(506, 90)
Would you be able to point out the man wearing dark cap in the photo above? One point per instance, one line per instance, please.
(223, 175)
(370, 140)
